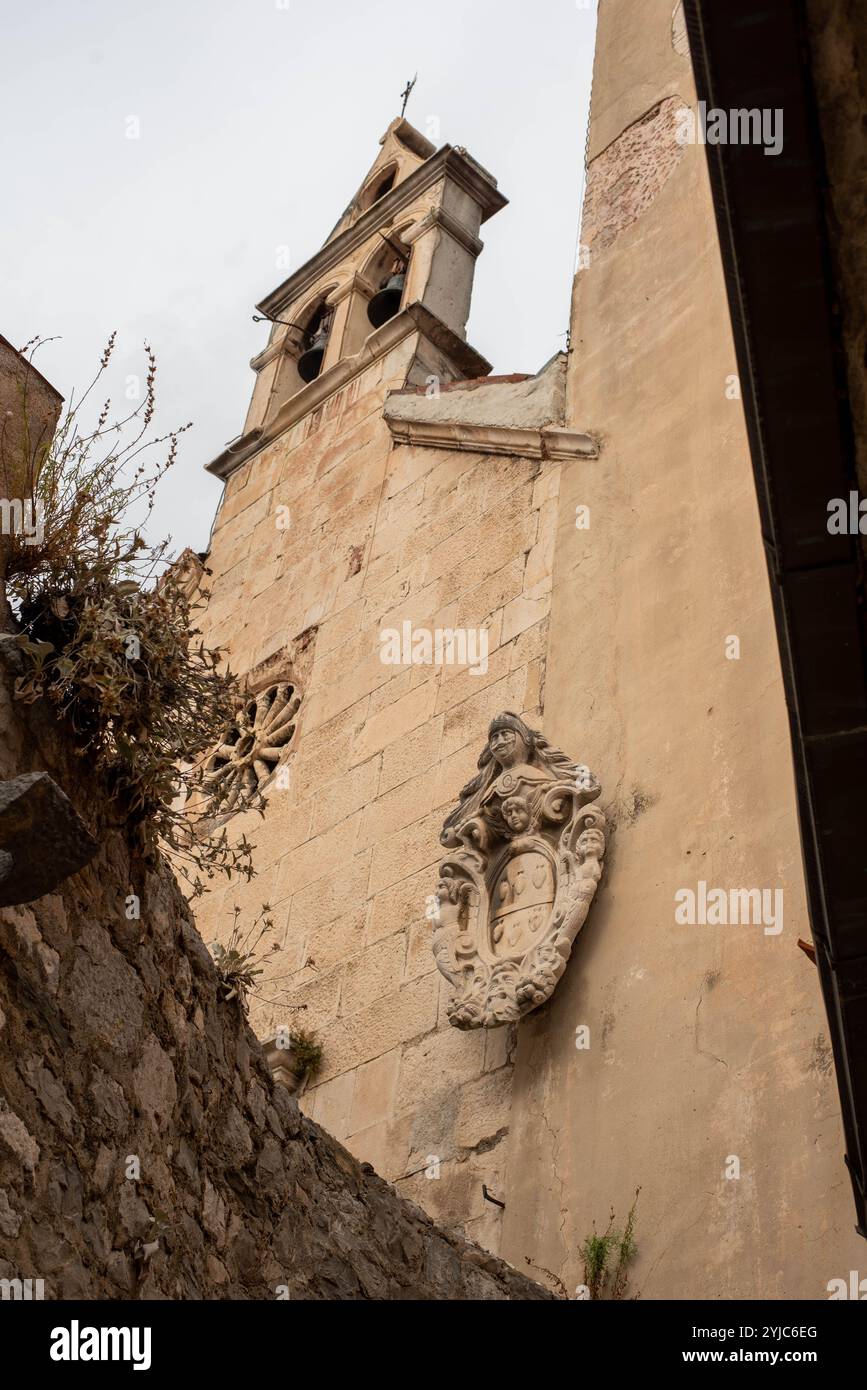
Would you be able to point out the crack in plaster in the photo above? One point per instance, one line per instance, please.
(698, 1049)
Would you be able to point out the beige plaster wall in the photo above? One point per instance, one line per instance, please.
(347, 855)
(706, 1041)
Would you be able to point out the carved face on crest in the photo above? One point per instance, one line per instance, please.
(507, 747)
(516, 814)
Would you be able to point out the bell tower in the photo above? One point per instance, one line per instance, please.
(398, 265)
(385, 481)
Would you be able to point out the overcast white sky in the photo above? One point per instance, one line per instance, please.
(258, 120)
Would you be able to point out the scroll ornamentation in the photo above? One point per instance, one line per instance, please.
(525, 857)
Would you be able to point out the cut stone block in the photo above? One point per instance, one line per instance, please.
(42, 838)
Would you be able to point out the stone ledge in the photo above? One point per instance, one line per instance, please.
(514, 414)
(546, 443)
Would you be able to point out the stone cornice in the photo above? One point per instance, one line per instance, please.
(415, 318)
(356, 283)
(275, 349)
(547, 442)
(440, 217)
(447, 162)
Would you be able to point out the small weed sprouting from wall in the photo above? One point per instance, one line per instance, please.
(240, 964)
(305, 1051)
(607, 1257)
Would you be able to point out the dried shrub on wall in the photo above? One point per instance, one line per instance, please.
(109, 635)
(242, 962)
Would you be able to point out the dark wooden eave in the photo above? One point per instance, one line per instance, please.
(773, 223)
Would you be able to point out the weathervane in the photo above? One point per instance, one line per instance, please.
(406, 94)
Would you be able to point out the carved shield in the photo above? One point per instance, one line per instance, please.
(525, 859)
(521, 902)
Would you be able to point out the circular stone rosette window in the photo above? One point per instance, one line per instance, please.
(252, 747)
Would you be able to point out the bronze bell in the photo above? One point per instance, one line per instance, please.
(310, 361)
(386, 302)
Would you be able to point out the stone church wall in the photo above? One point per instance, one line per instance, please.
(643, 645)
(379, 534)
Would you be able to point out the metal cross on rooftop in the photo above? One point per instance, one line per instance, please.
(406, 93)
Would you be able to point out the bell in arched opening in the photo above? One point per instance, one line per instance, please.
(310, 361)
(386, 302)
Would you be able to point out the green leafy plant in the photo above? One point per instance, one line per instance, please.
(306, 1052)
(607, 1257)
(108, 635)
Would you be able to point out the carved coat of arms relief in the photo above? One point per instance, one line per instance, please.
(525, 857)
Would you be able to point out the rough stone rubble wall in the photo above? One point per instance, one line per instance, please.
(113, 1043)
(347, 855)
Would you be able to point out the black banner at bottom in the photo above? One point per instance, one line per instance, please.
(63, 1339)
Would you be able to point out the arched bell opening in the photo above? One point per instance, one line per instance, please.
(382, 182)
(304, 344)
(316, 334)
(388, 260)
(387, 271)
